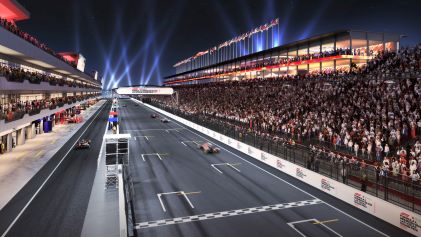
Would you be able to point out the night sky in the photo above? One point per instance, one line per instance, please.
(140, 40)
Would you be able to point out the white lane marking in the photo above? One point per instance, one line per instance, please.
(213, 166)
(273, 175)
(216, 215)
(160, 201)
(227, 164)
(153, 154)
(168, 193)
(188, 200)
(232, 166)
(146, 137)
(291, 224)
(49, 176)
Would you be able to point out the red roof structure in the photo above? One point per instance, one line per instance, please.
(11, 10)
(70, 56)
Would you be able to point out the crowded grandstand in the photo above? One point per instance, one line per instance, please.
(365, 122)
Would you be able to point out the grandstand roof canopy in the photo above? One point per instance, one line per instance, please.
(11, 10)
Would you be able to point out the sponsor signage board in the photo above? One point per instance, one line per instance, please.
(145, 90)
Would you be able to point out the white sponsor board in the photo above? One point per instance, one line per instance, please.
(400, 217)
(145, 90)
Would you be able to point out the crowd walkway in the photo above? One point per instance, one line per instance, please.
(20, 165)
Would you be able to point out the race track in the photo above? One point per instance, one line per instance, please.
(180, 191)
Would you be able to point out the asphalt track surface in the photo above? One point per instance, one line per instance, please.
(245, 199)
(60, 206)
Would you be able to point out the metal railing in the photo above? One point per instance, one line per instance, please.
(396, 189)
(13, 116)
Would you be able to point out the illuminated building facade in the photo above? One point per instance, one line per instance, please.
(335, 51)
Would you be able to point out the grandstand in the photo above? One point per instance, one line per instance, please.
(332, 52)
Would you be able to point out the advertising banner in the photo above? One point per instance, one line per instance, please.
(145, 90)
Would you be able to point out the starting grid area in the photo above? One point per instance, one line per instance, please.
(218, 167)
(222, 214)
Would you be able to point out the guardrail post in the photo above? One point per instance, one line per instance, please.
(293, 152)
(413, 197)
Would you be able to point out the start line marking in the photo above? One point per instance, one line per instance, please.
(182, 193)
(216, 215)
(315, 222)
(232, 165)
(146, 137)
(154, 154)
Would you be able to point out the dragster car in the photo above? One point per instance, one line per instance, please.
(165, 120)
(154, 116)
(83, 144)
(208, 148)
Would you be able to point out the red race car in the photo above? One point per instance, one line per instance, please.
(208, 148)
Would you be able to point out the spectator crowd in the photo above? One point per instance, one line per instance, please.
(17, 109)
(16, 74)
(363, 113)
